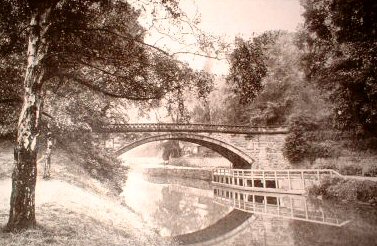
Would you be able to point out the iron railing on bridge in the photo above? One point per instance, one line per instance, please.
(172, 127)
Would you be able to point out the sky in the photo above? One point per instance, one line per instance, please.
(225, 18)
(233, 17)
(245, 18)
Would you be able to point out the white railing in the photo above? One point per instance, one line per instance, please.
(287, 181)
(275, 173)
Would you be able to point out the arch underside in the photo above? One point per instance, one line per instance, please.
(237, 157)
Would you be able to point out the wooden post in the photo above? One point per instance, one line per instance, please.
(253, 202)
(265, 204)
(276, 180)
(291, 203)
(278, 205)
(47, 163)
(252, 178)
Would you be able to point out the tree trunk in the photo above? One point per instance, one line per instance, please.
(22, 201)
(47, 164)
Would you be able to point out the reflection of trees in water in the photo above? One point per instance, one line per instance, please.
(180, 213)
(362, 230)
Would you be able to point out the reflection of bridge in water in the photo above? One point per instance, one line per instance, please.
(278, 205)
(248, 207)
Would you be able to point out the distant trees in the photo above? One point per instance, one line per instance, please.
(248, 67)
(229, 100)
(341, 58)
(170, 148)
(96, 44)
(281, 94)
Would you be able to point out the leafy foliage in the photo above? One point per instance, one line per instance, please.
(340, 44)
(350, 190)
(285, 93)
(300, 143)
(97, 44)
(247, 68)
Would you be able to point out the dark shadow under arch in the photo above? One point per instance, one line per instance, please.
(238, 158)
(222, 229)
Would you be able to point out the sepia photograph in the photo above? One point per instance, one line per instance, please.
(188, 122)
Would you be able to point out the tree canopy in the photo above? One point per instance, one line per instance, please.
(341, 45)
(50, 46)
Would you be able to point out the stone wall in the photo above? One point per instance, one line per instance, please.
(189, 173)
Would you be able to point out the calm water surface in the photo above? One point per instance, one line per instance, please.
(196, 212)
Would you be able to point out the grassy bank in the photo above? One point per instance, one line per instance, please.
(347, 190)
(351, 164)
(77, 206)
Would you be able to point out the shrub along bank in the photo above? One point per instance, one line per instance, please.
(348, 190)
(315, 143)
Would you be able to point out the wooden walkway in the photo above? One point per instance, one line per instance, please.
(289, 181)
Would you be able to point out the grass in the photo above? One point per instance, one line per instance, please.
(73, 208)
(6, 159)
(350, 165)
(61, 226)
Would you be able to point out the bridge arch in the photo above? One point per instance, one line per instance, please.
(237, 157)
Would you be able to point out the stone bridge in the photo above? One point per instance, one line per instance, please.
(243, 146)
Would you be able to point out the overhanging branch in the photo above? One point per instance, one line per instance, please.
(158, 95)
(16, 100)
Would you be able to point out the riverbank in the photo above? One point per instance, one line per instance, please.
(73, 208)
(180, 172)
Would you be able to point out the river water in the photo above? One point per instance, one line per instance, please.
(195, 212)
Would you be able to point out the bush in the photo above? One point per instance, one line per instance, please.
(322, 163)
(350, 190)
(370, 170)
(96, 161)
(351, 169)
(321, 189)
(301, 143)
(367, 191)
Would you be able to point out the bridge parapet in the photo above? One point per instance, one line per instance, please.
(207, 128)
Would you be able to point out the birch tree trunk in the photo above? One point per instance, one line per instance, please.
(22, 201)
(47, 163)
